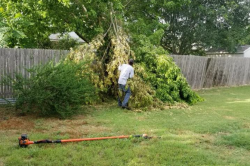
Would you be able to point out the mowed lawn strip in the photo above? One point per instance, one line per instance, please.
(213, 132)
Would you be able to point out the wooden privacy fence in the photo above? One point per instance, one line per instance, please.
(205, 72)
(16, 60)
(201, 72)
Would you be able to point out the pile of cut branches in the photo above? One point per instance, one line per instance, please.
(153, 84)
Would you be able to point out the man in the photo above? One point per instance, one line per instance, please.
(127, 71)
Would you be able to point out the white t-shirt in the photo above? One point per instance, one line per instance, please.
(127, 71)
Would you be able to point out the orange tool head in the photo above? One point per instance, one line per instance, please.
(23, 141)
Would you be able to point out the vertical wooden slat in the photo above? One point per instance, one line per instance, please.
(6, 73)
(2, 61)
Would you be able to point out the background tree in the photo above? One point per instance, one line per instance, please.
(187, 24)
(202, 24)
(38, 19)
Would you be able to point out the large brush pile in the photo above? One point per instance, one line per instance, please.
(151, 86)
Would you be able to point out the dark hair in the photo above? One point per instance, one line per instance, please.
(131, 62)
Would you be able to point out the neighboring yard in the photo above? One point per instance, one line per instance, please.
(213, 132)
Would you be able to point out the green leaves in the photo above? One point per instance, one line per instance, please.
(199, 24)
(186, 24)
(160, 70)
(86, 18)
(53, 90)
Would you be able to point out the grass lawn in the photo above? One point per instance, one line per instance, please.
(213, 132)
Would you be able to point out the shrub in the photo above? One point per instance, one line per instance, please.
(53, 89)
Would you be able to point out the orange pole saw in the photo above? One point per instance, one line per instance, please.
(24, 140)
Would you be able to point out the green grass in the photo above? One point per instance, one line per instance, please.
(213, 132)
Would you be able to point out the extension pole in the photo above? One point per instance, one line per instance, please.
(93, 139)
(24, 141)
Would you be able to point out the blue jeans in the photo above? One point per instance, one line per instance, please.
(127, 91)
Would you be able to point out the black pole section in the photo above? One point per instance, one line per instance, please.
(47, 141)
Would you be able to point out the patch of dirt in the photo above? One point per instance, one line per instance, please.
(229, 117)
(11, 120)
(246, 125)
(16, 123)
(1, 163)
(5, 112)
(195, 137)
(177, 106)
(207, 138)
(77, 127)
(140, 118)
(74, 128)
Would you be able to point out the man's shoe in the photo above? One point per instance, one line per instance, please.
(126, 107)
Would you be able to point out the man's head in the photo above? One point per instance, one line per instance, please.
(131, 62)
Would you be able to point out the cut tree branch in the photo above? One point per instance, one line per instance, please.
(82, 37)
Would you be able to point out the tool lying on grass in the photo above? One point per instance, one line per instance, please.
(24, 140)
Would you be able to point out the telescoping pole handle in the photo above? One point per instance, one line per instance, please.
(24, 140)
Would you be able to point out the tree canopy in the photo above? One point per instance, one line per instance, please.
(181, 27)
(28, 23)
(200, 24)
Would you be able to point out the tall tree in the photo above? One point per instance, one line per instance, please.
(180, 25)
(38, 19)
(200, 24)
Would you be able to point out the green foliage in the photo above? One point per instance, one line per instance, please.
(53, 89)
(86, 18)
(189, 26)
(171, 84)
(198, 24)
(161, 71)
(23, 24)
(10, 34)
